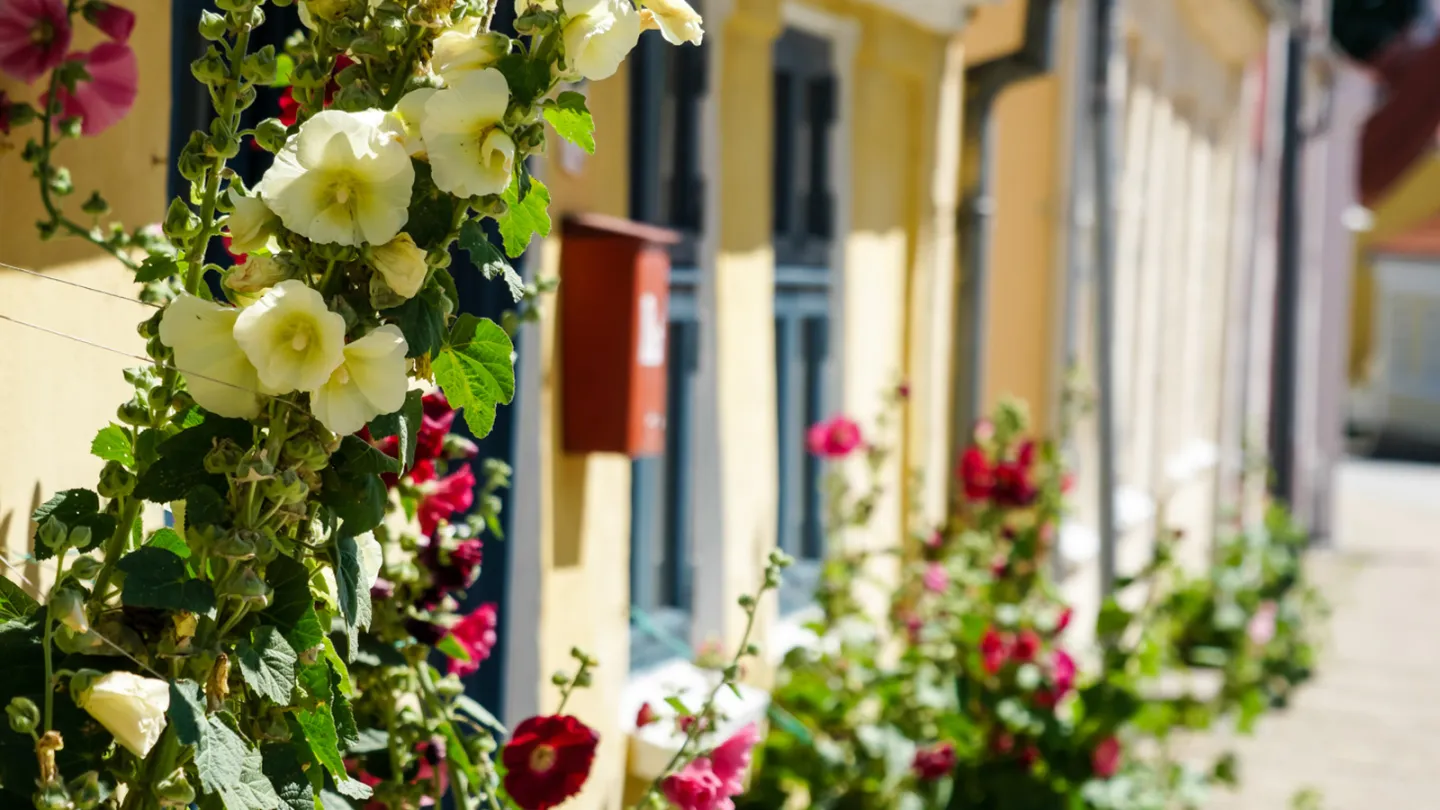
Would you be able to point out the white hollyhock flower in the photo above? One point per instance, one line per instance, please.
(462, 49)
(370, 381)
(522, 6)
(251, 226)
(371, 559)
(402, 263)
(677, 21)
(408, 114)
(344, 178)
(219, 375)
(470, 155)
(598, 35)
(259, 272)
(294, 341)
(127, 705)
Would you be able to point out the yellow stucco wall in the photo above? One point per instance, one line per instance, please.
(58, 393)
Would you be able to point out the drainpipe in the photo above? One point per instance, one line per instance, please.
(1287, 283)
(983, 83)
(1105, 99)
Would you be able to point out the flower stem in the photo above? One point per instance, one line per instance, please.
(49, 715)
(195, 256)
(116, 547)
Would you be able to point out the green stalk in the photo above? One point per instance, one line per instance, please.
(116, 546)
(196, 254)
(49, 629)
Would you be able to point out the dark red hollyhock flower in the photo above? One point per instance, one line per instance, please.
(934, 762)
(548, 760)
(1045, 698)
(994, 650)
(239, 258)
(435, 424)
(382, 590)
(1064, 621)
(1003, 743)
(1013, 486)
(476, 634)
(1027, 645)
(427, 633)
(645, 716)
(999, 566)
(441, 498)
(1062, 670)
(1025, 456)
(976, 477)
(290, 108)
(1030, 755)
(1105, 760)
(115, 22)
(5, 106)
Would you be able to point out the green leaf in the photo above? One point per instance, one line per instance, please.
(677, 704)
(432, 212)
(332, 801)
(354, 598)
(226, 764)
(522, 220)
(292, 608)
(168, 540)
(404, 425)
(74, 508)
(155, 577)
(527, 78)
(284, 66)
(572, 120)
(113, 444)
(359, 500)
(345, 726)
(488, 258)
(353, 788)
(156, 267)
(181, 463)
(468, 705)
(205, 507)
(267, 663)
(285, 770)
(187, 711)
(338, 669)
(475, 371)
(318, 726)
(421, 321)
(359, 457)
(453, 648)
(15, 603)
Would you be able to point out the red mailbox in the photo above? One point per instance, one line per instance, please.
(614, 309)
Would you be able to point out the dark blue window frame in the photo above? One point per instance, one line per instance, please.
(667, 85)
(191, 111)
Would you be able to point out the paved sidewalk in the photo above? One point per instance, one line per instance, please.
(1365, 732)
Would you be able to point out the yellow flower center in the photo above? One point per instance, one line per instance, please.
(300, 340)
(542, 759)
(42, 33)
(342, 375)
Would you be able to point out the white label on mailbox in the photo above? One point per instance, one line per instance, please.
(652, 332)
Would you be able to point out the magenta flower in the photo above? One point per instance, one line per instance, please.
(731, 759)
(34, 37)
(936, 578)
(976, 478)
(995, 650)
(696, 787)
(934, 762)
(476, 634)
(440, 498)
(1027, 645)
(1062, 670)
(1105, 760)
(115, 22)
(107, 96)
(836, 437)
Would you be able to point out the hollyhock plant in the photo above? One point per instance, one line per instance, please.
(731, 759)
(1027, 645)
(934, 762)
(34, 37)
(476, 635)
(106, 96)
(995, 650)
(835, 438)
(442, 497)
(696, 787)
(114, 21)
(548, 760)
(936, 579)
(1106, 759)
(1062, 671)
(976, 477)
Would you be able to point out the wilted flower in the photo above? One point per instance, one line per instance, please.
(833, 438)
(598, 35)
(369, 381)
(295, 342)
(34, 37)
(547, 760)
(470, 155)
(676, 20)
(934, 762)
(344, 179)
(217, 371)
(130, 707)
(108, 94)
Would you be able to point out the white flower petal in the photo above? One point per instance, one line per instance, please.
(402, 263)
(130, 707)
(219, 375)
(409, 113)
(369, 382)
(599, 35)
(371, 559)
(677, 20)
(459, 51)
(251, 226)
(469, 155)
(294, 341)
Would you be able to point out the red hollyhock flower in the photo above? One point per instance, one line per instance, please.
(548, 760)
(836, 437)
(1025, 456)
(1045, 698)
(1105, 760)
(994, 650)
(1064, 621)
(290, 108)
(976, 477)
(34, 37)
(934, 762)
(1003, 743)
(1062, 670)
(645, 716)
(476, 634)
(115, 22)
(444, 497)
(1030, 755)
(1027, 645)
(435, 424)
(1013, 486)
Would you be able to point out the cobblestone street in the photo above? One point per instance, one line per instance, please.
(1366, 732)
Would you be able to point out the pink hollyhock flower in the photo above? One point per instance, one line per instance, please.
(984, 430)
(731, 759)
(936, 578)
(114, 21)
(34, 37)
(476, 634)
(913, 625)
(1064, 621)
(994, 650)
(1062, 670)
(976, 478)
(1067, 483)
(548, 760)
(1105, 760)
(1261, 628)
(697, 787)
(999, 566)
(836, 437)
(1027, 645)
(934, 762)
(107, 96)
(935, 540)
(441, 498)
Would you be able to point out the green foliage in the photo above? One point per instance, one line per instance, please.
(267, 663)
(525, 219)
(404, 425)
(292, 608)
(15, 603)
(168, 540)
(485, 256)
(354, 598)
(72, 508)
(181, 463)
(112, 444)
(475, 371)
(356, 497)
(157, 578)
(572, 120)
(422, 320)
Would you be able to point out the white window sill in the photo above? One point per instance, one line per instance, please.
(652, 747)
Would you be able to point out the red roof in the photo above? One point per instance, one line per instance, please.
(1406, 126)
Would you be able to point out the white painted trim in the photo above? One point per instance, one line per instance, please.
(941, 16)
(844, 36)
(652, 747)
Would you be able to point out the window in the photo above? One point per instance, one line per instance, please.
(804, 242)
(667, 85)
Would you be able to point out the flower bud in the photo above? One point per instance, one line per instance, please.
(134, 412)
(53, 797)
(254, 465)
(115, 481)
(271, 135)
(458, 447)
(244, 584)
(213, 26)
(24, 715)
(235, 545)
(393, 31)
(307, 452)
(175, 790)
(286, 488)
(158, 398)
(85, 791)
(372, 45)
(260, 66)
(223, 458)
(354, 99)
(53, 533)
(180, 221)
(67, 606)
(210, 69)
(95, 206)
(307, 75)
(85, 568)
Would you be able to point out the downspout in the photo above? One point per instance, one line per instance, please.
(1106, 97)
(983, 84)
(1287, 283)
